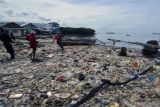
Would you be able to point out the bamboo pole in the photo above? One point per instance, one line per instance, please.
(136, 43)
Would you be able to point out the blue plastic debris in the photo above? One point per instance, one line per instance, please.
(151, 78)
(2, 103)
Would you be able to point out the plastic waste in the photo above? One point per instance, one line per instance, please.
(81, 77)
(104, 104)
(79, 87)
(61, 79)
(151, 78)
(115, 105)
(44, 96)
(135, 64)
(15, 96)
(87, 86)
(76, 72)
(2, 103)
(63, 95)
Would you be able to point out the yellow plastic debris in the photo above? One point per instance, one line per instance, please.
(115, 105)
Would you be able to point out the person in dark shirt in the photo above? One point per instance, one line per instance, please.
(6, 39)
(12, 36)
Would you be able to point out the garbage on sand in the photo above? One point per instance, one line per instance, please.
(65, 77)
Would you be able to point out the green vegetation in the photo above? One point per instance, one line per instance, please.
(77, 31)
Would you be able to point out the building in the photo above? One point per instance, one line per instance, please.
(30, 26)
(40, 30)
(49, 28)
(14, 28)
(2, 24)
(53, 27)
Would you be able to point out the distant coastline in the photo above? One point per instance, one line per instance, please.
(110, 33)
(155, 33)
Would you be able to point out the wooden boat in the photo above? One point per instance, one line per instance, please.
(79, 42)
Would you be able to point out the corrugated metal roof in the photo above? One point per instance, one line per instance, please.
(12, 25)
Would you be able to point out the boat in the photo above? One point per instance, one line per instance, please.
(79, 42)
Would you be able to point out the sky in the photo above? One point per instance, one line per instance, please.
(101, 15)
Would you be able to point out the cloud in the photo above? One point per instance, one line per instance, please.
(9, 12)
(2, 2)
(33, 15)
(2, 17)
(24, 14)
(80, 1)
(97, 14)
(44, 19)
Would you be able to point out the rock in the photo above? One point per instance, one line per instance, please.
(123, 51)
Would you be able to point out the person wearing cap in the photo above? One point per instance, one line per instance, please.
(58, 39)
(7, 40)
(33, 43)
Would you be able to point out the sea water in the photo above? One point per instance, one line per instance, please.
(131, 38)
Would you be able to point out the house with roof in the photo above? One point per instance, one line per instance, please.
(2, 23)
(38, 29)
(14, 28)
(30, 26)
(53, 27)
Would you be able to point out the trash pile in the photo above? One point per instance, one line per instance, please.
(58, 79)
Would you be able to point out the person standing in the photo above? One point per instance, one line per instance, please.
(7, 40)
(33, 43)
(58, 38)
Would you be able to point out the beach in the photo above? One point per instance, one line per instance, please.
(53, 79)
